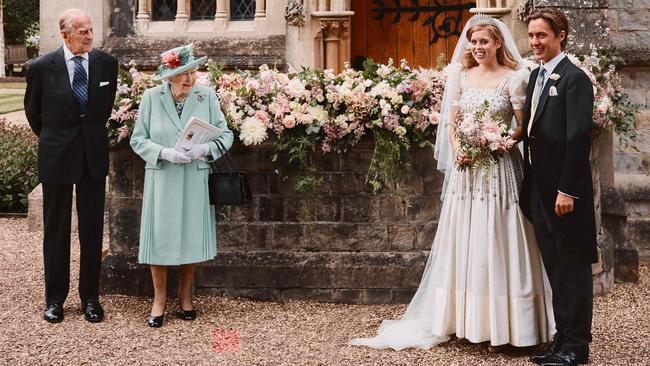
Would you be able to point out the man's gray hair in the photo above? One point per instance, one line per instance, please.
(66, 18)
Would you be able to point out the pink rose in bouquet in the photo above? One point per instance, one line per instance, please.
(482, 137)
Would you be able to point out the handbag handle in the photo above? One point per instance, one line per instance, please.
(224, 153)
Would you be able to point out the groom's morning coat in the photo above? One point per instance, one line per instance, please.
(556, 156)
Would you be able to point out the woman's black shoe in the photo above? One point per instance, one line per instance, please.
(187, 314)
(156, 321)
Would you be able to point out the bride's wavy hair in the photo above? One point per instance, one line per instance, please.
(503, 55)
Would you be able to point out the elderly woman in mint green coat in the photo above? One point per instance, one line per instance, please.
(178, 224)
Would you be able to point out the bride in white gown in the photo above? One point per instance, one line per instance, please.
(484, 279)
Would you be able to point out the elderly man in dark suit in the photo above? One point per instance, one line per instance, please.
(557, 193)
(69, 97)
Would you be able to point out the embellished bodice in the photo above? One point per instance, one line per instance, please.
(501, 181)
(498, 99)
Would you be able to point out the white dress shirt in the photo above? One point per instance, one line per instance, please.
(551, 65)
(69, 61)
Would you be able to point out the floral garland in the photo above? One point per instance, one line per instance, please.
(312, 110)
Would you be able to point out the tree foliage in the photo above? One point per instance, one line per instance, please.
(19, 15)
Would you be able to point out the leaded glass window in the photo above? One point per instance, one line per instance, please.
(163, 9)
(242, 9)
(202, 9)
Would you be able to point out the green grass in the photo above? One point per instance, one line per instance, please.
(13, 85)
(11, 103)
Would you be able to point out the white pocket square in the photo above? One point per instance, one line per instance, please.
(103, 83)
(552, 91)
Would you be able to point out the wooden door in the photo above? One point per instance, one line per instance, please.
(416, 30)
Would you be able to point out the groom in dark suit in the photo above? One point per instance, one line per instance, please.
(557, 193)
(69, 97)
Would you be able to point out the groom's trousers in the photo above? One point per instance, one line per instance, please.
(571, 282)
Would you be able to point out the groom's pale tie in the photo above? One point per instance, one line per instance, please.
(537, 92)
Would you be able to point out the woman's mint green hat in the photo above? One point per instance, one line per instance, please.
(177, 60)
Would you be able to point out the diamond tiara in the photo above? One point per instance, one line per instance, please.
(481, 18)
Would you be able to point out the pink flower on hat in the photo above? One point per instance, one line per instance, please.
(171, 60)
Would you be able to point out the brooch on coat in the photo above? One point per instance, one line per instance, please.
(201, 96)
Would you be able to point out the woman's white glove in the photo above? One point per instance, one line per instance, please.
(198, 151)
(174, 156)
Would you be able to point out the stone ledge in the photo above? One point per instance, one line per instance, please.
(241, 53)
(633, 186)
(262, 275)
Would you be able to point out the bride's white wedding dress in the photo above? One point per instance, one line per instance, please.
(484, 279)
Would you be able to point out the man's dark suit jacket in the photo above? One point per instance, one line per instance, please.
(560, 143)
(66, 139)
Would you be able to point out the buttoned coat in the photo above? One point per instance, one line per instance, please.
(177, 223)
(556, 156)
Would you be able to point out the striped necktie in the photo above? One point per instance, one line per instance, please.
(537, 93)
(80, 84)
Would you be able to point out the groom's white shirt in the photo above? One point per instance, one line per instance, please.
(550, 66)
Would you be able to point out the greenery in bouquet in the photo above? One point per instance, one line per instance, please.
(482, 137)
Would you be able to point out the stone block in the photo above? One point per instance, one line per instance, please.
(259, 183)
(288, 237)
(349, 183)
(259, 236)
(300, 209)
(357, 161)
(632, 20)
(329, 209)
(121, 172)
(240, 213)
(401, 237)
(627, 265)
(372, 237)
(347, 296)
(124, 224)
(335, 237)
(403, 296)
(425, 234)
(357, 208)
(424, 208)
(271, 208)
(389, 208)
(377, 296)
(231, 236)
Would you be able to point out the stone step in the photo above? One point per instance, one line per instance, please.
(35, 211)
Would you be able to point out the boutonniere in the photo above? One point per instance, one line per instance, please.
(554, 76)
(552, 91)
(201, 97)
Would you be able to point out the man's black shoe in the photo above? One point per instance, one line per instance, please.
(53, 313)
(566, 358)
(93, 311)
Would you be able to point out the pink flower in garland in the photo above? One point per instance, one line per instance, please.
(171, 60)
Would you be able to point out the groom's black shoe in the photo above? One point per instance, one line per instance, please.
(541, 356)
(566, 358)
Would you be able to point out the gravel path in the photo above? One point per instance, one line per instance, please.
(294, 333)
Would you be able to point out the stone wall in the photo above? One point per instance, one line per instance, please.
(242, 53)
(344, 245)
(629, 21)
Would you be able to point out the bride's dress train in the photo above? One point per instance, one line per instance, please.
(484, 279)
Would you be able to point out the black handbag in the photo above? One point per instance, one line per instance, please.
(230, 187)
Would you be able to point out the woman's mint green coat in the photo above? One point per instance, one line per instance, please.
(178, 224)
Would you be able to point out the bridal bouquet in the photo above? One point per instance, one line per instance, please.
(482, 137)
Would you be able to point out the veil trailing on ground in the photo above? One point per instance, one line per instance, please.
(443, 150)
(414, 328)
